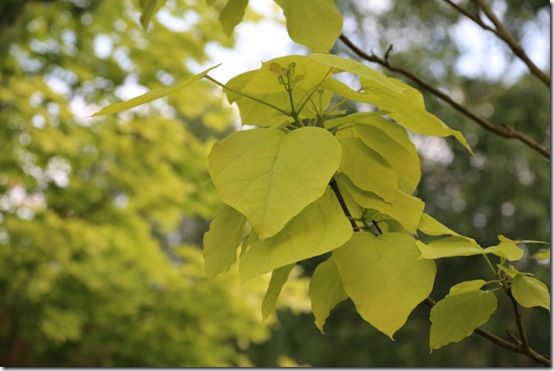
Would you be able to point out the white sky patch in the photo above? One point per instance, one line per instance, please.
(255, 42)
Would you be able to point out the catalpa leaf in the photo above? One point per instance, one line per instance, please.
(530, 292)
(506, 249)
(151, 95)
(316, 23)
(432, 227)
(466, 286)
(405, 108)
(222, 240)
(251, 111)
(148, 9)
(393, 144)
(384, 278)
(449, 247)
(232, 15)
(456, 316)
(405, 209)
(270, 176)
(326, 291)
(318, 229)
(278, 279)
(367, 169)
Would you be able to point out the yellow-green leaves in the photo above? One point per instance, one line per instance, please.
(432, 227)
(148, 9)
(367, 169)
(222, 240)
(449, 247)
(232, 15)
(466, 286)
(530, 292)
(316, 23)
(393, 144)
(459, 314)
(320, 228)
(384, 278)
(326, 291)
(270, 176)
(151, 95)
(506, 248)
(278, 279)
(405, 209)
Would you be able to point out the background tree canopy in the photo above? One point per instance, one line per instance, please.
(101, 220)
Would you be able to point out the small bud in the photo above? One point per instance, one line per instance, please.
(275, 68)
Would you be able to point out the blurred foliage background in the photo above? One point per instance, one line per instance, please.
(101, 220)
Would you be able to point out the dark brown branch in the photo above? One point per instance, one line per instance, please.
(519, 322)
(502, 33)
(505, 36)
(503, 131)
(514, 347)
(342, 203)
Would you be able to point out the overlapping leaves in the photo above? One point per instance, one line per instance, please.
(310, 180)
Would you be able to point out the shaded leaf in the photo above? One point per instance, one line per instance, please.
(326, 291)
(456, 316)
(232, 15)
(367, 170)
(148, 9)
(405, 209)
(316, 24)
(278, 279)
(320, 228)
(222, 240)
(466, 286)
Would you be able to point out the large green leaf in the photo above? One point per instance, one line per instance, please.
(405, 209)
(367, 169)
(232, 15)
(316, 23)
(384, 278)
(270, 176)
(449, 247)
(456, 316)
(320, 228)
(278, 279)
(151, 95)
(326, 291)
(148, 9)
(222, 240)
(406, 108)
(530, 292)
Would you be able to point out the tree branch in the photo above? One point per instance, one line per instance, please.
(501, 32)
(503, 131)
(514, 347)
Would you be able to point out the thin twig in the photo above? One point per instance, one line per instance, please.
(503, 131)
(507, 37)
(519, 322)
(342, 203)
(503, 34)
